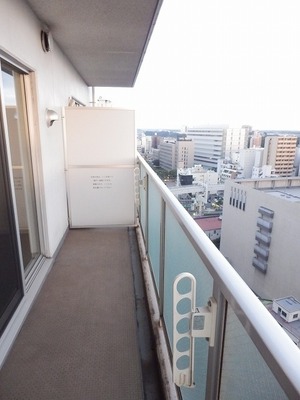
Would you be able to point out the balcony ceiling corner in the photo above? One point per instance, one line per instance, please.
(105, 40)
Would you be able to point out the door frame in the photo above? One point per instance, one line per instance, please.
(32, 283)
(31, 109)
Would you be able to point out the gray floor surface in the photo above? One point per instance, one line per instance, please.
(80, 338)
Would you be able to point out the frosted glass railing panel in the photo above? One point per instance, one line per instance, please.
(182, 257)
(244, 372)
(143, 199)
(154, 222)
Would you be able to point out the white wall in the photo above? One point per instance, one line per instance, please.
(56, 81)
(247, 161)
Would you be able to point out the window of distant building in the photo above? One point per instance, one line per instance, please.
(263, 238)
(238, 198)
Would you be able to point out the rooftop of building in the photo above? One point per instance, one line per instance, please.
(290, 303)
(278, 132)
(287, 188)
(289, 194)
(209, 223)
(292, 327)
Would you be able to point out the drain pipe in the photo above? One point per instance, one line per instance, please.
(93, 97)
(169, 387)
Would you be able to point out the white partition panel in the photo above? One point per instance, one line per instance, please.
(100, 162)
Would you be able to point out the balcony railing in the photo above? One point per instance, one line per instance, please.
(252, 357)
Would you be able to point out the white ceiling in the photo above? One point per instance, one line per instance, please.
(105, 40)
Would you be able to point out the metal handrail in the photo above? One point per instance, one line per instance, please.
(278, 350)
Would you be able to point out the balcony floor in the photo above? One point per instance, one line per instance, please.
(81, 338)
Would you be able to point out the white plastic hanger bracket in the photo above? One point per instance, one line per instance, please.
(189, 322)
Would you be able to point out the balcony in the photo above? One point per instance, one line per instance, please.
(81, 339)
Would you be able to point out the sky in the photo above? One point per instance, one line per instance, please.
(232, 62)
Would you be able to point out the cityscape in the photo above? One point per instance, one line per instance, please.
(229, 179)
(149, 200)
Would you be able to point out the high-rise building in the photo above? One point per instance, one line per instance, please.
(217, 142)
(209, 144)
(280, 152)
(167, 154)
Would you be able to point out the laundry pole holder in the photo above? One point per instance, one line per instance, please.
(189, 322)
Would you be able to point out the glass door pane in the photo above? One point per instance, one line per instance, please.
(19, 142)
(10, 272)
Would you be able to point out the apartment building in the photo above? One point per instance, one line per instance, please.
(280, 152)
(255, 139)
(278, 158)
(260, 234)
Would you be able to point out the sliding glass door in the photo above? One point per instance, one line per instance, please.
(20, 150)
(11, 287)
(20, 244)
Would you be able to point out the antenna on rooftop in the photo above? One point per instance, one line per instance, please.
(103, 102)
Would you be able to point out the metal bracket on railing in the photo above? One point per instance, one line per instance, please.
(143, 182)
(189, 322)
(136, 172)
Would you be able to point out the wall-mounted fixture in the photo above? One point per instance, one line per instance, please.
(51, 116)
(46, 40)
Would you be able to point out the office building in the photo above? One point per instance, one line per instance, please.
(175, 154)
(184, 154)
(260, 234)
(167, 151)
(209, 144)
(216, 142)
